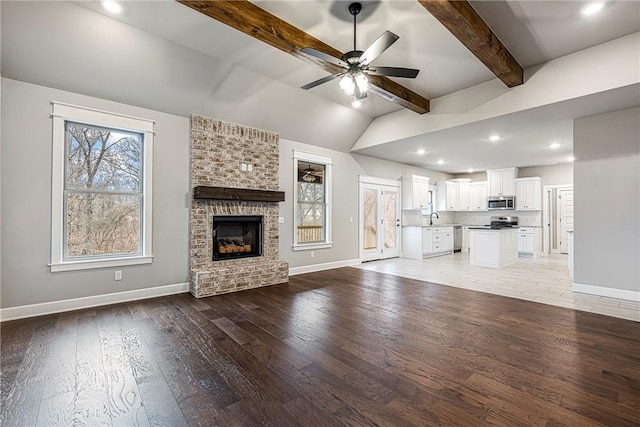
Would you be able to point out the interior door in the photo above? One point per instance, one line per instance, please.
(565, 218)
(379, 221)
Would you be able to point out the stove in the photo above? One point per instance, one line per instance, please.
(498, 222)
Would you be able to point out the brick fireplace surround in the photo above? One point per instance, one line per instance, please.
(218, 150)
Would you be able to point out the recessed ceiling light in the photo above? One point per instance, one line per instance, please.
(592, 8)
(421, 151)
(555, 145)
(470, 170)
(111, 6)
(441, 162)
(494, 138)
(570, 159)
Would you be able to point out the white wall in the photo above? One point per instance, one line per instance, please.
(26, 201)
(607, 202)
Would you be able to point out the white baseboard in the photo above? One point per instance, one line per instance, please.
(606, 292)
(319, 267)
(13, 313)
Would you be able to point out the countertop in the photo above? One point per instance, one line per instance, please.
(480, 227)
(434, 225)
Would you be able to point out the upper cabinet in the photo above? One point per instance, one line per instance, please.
(529, 194)
(502, 182)
(478, 196)
(464, 201)
(415, 192)
(447, 193)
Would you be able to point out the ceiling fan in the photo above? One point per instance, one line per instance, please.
(357, 64)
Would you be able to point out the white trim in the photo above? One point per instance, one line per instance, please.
(62, 112)
(311, 246)
(607, 292)
(320, 267)
(20, 312)
(311, 157)
(99, 263)
(328, 169)
(101, 117)
(379, 181)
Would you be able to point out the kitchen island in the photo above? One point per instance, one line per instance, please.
(491, 247)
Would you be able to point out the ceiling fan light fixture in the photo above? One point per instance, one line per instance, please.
(347, 85)
(362, 82)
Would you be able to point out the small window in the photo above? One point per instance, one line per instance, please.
(101, 201)
(312, 201)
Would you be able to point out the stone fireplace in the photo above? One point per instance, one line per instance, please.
(234, 209)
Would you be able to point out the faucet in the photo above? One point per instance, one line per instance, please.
(431, 217)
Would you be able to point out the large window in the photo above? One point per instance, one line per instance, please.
(101, 201)
(312, 209)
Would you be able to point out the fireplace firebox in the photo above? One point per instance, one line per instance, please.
(236, 237)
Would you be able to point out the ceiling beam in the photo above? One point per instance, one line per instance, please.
(248, 18)
(462, 20)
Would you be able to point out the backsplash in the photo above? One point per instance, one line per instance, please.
(525, 218)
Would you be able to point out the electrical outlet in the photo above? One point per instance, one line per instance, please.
(250, 167)
(350, 219)
(280, 220)
(243, 167)
(117, 275)
(312, 254)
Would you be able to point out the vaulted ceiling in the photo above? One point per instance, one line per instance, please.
(437, 37)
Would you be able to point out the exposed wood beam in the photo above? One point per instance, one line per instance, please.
(248, 18)
(462, 20)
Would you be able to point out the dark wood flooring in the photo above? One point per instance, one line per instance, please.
(340, 347)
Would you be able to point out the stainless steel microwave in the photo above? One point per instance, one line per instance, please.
(495, 203)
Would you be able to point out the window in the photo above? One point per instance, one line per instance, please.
(101, 189)
(312, 201)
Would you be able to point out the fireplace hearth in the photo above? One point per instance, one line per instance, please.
(236, 237)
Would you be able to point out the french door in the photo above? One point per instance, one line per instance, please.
(379, 218)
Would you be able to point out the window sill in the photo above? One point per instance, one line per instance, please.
(102, 263)
(312, 246)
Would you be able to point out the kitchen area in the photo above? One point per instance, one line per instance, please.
(496, 221)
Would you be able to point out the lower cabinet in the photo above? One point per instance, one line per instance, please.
(529, 241)
(437, 241)
(423, 242)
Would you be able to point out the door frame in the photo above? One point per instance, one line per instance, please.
(549, 191)
(386, 182)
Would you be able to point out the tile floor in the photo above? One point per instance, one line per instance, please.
(544, 280)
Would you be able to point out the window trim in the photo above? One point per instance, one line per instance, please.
(62, 112)
(302, 156)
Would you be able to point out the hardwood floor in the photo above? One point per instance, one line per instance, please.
(545, 280)
(340, 347)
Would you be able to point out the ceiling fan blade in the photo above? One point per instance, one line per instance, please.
(381, 44)
(409, 73)
(325, 57)
(321, 81)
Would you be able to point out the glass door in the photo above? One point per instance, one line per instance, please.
(379, 221)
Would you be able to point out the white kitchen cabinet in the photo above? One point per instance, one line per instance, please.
(529, 241)
(415, 192)
(478, 196)
(502, 182)
(424, 242)
(447, 194)
(427, 240)
(464, 196)
(529, 194)
(441, 241)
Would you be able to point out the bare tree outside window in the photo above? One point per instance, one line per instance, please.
(103, 191)
(311, 203)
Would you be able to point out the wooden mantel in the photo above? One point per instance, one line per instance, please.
(238, 194)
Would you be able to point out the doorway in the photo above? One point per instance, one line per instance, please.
(557, 218)
(379, 219)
